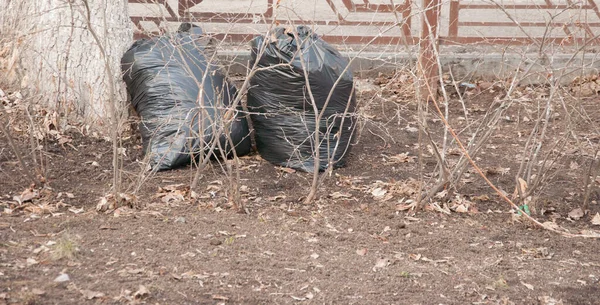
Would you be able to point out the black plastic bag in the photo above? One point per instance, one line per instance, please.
(281, 110)
(165, 77)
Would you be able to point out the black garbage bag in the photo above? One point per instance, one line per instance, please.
(182, 99)
(280, 103)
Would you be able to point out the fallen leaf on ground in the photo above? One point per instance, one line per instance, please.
(362, 252)
(401, 158)
(106, 203)
(481, 198)
(27, 195)
(40, 249)
(123, 211)
(415, 257)
(576, 214)
(378, 192)
(551, 225)
(106, 227)
(497, 170)
(521, 188)
(76, 211)
(141, 292)
(129, 271)
(541, 252)
(286, 170)
(31, 262)
(173, 193)
(275, 198)
(62, 278)
(64, 140)
(591, 233)
(89, 294)
(461, 208)
(172, 197)
(338, 195)
(38, 291)
(529, 286)
(573, 165)
(298, 298)
(547, 300)
(219, 297)
(404, 207)
(381, 263)
(441, 194)
(596, 220)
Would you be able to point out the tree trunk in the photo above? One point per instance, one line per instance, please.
(60, 63)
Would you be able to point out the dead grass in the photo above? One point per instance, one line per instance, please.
(65, 248)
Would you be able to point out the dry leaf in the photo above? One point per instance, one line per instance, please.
(522, 186)
(529, 286)
(547, 300)
(106, 203)
(172, 197)
(275, 198)
(176, 192)
(362, 252)
(415, 257)
(404, 207)
(338, 195)
(573, 165)
(541, 252)
(40, 249)
(378, 192)
(382, 263)
(219, 297)
(128, 198)
(31, 262)
(483, 197)
(76, 211)
(89, 294)
(64, 140)
(298, 298)
(575, 214)
(142, 292)
(461, 208)
(591, 233)
(63, 277)
(286, 170)
(551, 225)
(596, 220)
(38, 291)
(27, 195)
(400, 158)
(122, 211)
(497, 170)
(441, 194)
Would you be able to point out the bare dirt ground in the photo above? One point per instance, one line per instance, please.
(354, 245)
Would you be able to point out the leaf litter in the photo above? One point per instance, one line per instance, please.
(384, 191)
(356, 183)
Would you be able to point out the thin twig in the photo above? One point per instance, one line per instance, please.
(11, 142)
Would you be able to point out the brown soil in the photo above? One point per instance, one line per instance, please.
(346, 248)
